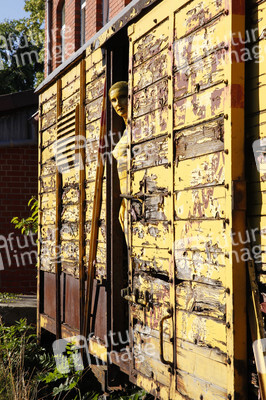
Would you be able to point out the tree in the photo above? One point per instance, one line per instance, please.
(21, 49)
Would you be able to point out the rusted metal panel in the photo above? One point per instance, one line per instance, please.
(49, 294)
(92, 131)
(152, 180)
(149, 154)
(153, 261)
(150, 71)
(70, 102)
(206, 73)
(71, 302)
(199, 107)
(203, 299)
(197, 45)
(203, 171)
(204, 203)
(151, 43)
(94, 89)
(48, 119)
(71, 80)
(190, 386)
(154, 97)
(48, 137)
(49, 104)
(204, 138)
(93, 110)
(151, 234)
(201, 364)
(200, 266)
(48, 154)
(201, 330)
(196, 15)
(150, 125)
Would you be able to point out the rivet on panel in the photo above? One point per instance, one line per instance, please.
(201, 397)
(228, 361)
(226, 82)
(226, 12)
(226, 186)
(229, 397)
(226, 151)
(169, 77)
(225, 116)
(227, 221)
(228, 325)
(227, 290)
(155, 21)
(170, 251)
(169, 106)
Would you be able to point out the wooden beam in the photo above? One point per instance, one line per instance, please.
(95, 219)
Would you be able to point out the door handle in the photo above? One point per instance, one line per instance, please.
(170, 315)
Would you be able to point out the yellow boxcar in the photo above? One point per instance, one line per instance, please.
(168, 305)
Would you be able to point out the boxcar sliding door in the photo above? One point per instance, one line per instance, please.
(186, 200)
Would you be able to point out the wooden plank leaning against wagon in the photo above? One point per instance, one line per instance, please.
(95, 218)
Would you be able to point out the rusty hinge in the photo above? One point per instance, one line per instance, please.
(239, 195)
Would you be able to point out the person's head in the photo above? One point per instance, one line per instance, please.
(118, 94)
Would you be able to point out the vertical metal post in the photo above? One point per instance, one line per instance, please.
(129, 223)
(236, 322)
(82, 159)
(58, 224)
(39, 283)
(172, 290)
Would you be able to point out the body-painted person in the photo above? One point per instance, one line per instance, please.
(118, 95)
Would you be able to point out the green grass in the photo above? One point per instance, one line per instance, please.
(28, 372)
(8, 297)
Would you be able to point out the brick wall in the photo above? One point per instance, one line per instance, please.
(18, 182)
(94, 18)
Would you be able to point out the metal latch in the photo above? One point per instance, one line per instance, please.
(126, 294)
(141, 298)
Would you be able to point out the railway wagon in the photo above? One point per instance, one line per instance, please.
(165, 304)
